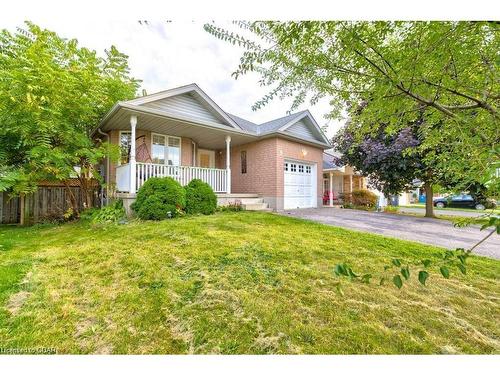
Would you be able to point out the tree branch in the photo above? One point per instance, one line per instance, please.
(480, 242)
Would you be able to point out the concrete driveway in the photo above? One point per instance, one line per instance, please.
(429, 231)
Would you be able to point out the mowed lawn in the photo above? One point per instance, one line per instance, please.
(233, 283)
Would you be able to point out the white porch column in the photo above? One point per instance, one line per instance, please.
(350, 183)
(331, 189)
(228, 163)
(133, 123)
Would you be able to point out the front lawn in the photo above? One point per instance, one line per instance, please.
(232, 283)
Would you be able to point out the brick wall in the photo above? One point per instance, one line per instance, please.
(265, 160)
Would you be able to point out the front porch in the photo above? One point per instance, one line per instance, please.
(218, 179)
(163, 146)
(339, 181)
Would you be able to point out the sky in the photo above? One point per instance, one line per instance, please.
(165, 55)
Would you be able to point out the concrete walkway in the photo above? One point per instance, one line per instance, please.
(429, 231)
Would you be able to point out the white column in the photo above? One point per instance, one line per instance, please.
(133, 123)
(228, 163)
(331, 189)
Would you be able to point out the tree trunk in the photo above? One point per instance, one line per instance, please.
(72, 198)
(22, 217)
(429, 202)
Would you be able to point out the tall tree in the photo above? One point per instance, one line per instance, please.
(52, 95)
(447, 72)
(389, 161)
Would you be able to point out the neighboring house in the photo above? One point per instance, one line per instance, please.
(184, 134)
(338, 179)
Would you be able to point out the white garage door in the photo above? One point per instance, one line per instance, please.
(299, 185)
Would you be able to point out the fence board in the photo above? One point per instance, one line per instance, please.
(47, 203)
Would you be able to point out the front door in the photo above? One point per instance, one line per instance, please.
(206, 158)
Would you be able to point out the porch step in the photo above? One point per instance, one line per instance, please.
(255, 207)
(251, 200)
(254, 204)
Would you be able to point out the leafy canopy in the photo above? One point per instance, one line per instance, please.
(52, 95)
(444, 72)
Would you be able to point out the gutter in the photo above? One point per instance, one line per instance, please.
(204, 124)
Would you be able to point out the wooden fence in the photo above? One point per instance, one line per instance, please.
(48, 203)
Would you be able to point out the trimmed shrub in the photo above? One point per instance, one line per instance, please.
(156, 207)
(157, 197)
(363, 198)
(200, 198)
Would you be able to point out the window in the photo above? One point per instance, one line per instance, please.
(125, 139)
(166, 150)
(301, 168)
(308, 169)
(243, 162)
(293, 167)
(158, 150)
(174, 151)
(286, 166)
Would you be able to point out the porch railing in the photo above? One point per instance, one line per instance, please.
(216, 178)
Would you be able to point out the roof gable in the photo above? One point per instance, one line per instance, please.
(185, 105)
(187, 101)
(301, 129)
(305, 127)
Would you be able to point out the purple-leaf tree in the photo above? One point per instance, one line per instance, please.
(390, 161)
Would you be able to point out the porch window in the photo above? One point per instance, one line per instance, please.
(125, 139)
(166, 150)
(174, 151)
(158, 149)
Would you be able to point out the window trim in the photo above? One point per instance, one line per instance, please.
(166, 148)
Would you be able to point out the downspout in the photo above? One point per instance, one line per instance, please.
(107, 166)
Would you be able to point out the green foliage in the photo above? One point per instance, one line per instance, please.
(157, 207)
(391, 209)
(53, 94)
(397, 281)
(422, 277)
(443, 73)
(200, 198)
(112, 213)
(159, 196)
(231, 206)
(445, 272)
(364, 198)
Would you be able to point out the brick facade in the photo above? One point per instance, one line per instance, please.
(265, 160)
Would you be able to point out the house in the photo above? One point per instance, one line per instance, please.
(184, 134)
(338, 179)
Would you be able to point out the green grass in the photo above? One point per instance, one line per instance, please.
(422, 205)
(451, 218)
(232, 283)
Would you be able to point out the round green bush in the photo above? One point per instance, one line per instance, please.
(168, 195)
(200, 198)
(156, 208)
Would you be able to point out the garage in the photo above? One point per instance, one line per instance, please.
(300, 185)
